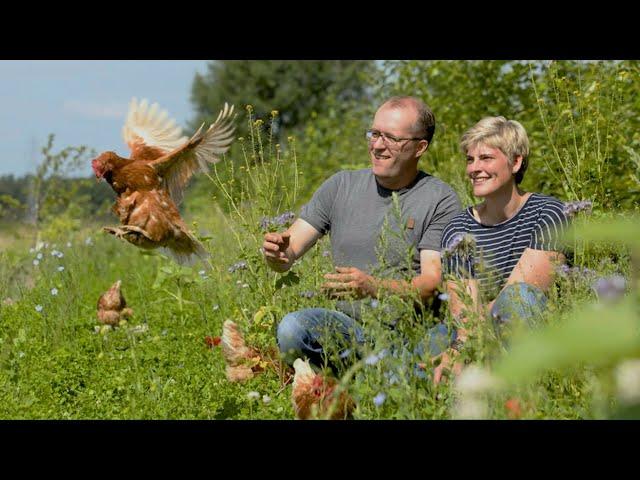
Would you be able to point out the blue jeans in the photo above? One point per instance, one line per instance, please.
(518, 301)
(302, 333)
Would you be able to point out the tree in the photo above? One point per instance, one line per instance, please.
(295, 89)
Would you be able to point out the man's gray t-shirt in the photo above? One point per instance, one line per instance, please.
(353, 207)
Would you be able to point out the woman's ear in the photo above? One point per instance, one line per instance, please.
(517, 163)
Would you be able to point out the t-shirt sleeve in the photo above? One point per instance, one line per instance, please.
(447, 208)
(318, 212)
(456, 262)
(548, 230)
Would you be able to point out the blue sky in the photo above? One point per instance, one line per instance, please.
(83, 102)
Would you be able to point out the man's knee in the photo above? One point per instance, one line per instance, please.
(290, 335)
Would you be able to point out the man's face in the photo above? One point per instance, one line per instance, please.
(394, 162)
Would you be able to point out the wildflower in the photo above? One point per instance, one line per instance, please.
(345, 353)
(379, 399)
(164, 332)
(202, 273)
(326, 253)
(88, 241)
(444, 297)
(36, 262)
(474, 380)
(68, 244)
(610, 288)
(307, 294)
(241, 265)
(245, 285)
(513, 408)
(38, 308)
(266, 399)
(32, 250)
(571, 208)
(21, 354)
(628, 381)
(61, 268)
(140, 328)
(279, 221)
(39, 256)
(374, 303)
(470, 408)
(216, 307)
(54, 291)
(96, 329)
(374, 358)
(253, 395)
(460, 243)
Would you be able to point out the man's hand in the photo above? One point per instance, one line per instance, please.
(274, 249)
(447, 364)
(349, 282)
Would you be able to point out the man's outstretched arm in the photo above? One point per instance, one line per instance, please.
(282, 249)
(351, 281)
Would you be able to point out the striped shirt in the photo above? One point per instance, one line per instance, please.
(496, 249)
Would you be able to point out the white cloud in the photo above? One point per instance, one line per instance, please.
(94, 109)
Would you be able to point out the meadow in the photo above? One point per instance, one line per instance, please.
(581, 362)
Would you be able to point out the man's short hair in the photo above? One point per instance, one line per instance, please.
(425, 125)
(497, 132)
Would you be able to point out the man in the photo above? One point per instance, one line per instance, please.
(354, 206)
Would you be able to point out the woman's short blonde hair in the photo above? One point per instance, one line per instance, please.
(498, 132)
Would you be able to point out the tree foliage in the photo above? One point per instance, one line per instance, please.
(295, 89)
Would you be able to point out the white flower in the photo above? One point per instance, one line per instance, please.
(54, 291)
(627, 376)
(216, 307)
(39, 256)
(36, 262)
(266, 398)
(201, 272)
(444, 297)
(38, 308)
(68, 244)
(31, 250)
(140, 328)
(21, 354)
(253, 395)
(54, 253)
(470, 408)
(475, 380)
(88, 241)
(245, 285)
(60, 254)
(61, 268)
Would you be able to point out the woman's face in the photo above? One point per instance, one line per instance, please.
(489, 170)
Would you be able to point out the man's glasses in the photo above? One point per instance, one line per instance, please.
(389, 140)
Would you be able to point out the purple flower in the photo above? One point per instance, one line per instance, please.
(610, 288)
(375, 357)
(307, 294)
(326, 253)
(444, 297)
(460, 243)
(283, 220)
(379, 399)
(571, 208)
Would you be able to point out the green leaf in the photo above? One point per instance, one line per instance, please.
(596, 334)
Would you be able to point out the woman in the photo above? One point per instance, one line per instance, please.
(503, 251)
